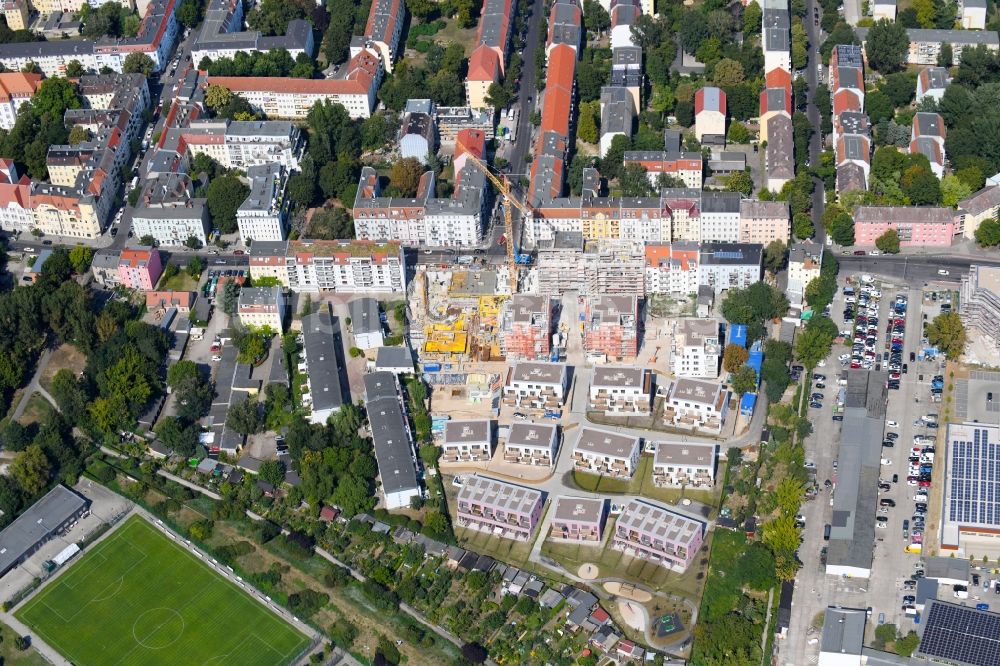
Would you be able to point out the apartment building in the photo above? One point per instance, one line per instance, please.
(502, 509)
(578, 519)
(724, 266)
(709, 113)
(776, 33)
(383, 30)
(565, 26)
(612, 327)
(672, 268)
(392, 440)
(537, 385)
(167, 212)
(974, 14)
(621, 391)
(651, 532)
(16, 88)
(686, 166)
(292, 98)
(222, 35)
(366, 323)
(805, 262)
(488, 60)
(617, 115)
(979, 304)
(139, 268)
(697, 404)
(684, 464)
(156, 37)
(884, 9)
(531, 443)
(321, 361)
(763, 222)
(104, 268)
(779, 156)
(526, 328)
(917, 226)
(16, 13)
(927, 137)
(975, 209)
(606, 453)
(467, 441)
(932, 82)
(313, 266)
(262, 306)
(261, 217)
(697, 348)
(925, 44)
(548, 168)
(774, 102)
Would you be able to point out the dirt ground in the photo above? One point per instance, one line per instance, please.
(65, 356)
(628, 592)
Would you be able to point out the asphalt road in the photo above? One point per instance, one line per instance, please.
(815, 34)
(913, 268)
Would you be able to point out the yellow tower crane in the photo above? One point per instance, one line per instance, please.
(504, 189)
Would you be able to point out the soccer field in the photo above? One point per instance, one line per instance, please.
(139, 598)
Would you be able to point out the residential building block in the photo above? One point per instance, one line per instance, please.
(606, 453)
(531, 443)
(684, 464)
(497, 507)
(578, 519)
(648, 531)
(621, 390)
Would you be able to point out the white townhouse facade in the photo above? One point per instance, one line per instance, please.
(684, 464)
(697, 348)
(606, 453)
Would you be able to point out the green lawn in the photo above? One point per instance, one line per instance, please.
(642, 484)
(139, 598)
(180, 282)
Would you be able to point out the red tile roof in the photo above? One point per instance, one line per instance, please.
(559, 90)
(362, 71)
(846, 100)
(18, 84)
(778, 78)
(484, 65)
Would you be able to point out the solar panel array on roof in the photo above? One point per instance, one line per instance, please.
(961, 635)
(974, 477)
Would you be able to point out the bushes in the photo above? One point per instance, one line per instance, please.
(343, 633)
(300, 544)
(380, 597)
(228, 554)
(266, 530)
(307, 601)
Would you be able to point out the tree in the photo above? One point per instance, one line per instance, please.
(634, 181)
(182, 375)
(888, 242)
(225, 194)
(31, 470)
(230, 296)
(728, 73)
(183, 440)
(743, 380)
(217, 96)
(740, 181)
(189, 13)
(138, 63)
(498, 97)
(734, 357)
(907, 644)
(947, 333)
(814, 341)
(945, 56)
(245, 417)
(80, 257)
(988, 233)
(900, 88)
(195, 266)
(752, 17)
(802, 226)
(886, 46)
(78, 134)
(404, 177)
(587, 127)
(781, 535)
(147, 240)
(885, 633)
(332, 223)
(879, 107)
(74, 69)
(273, 472)
(738, 133)
(953, 190)
(775, 257)
(192, 242)
(842, 229)
(474, 653)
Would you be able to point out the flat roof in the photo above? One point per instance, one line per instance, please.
(684, 453)
(393, 357)
(844, 630)
(959, 634)
(604, 442)
(696, 390)
(537, 372)
(365, 316)
(972, 479)
(523, 433)
(648, 518)
(499, 494)
(37, 523)
(464, 432)
(579, 509)
(619, 377)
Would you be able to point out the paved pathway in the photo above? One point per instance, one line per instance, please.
(189, 484)
(35, 385)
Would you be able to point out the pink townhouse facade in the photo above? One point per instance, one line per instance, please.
(578, 519)
(653, 533)
(917, 226)
(139, 268)
(502, 509)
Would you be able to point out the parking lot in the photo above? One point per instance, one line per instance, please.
(892, 564)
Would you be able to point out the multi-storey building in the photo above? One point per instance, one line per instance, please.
(139, 268)
(499, 508)
(167, 212)
(927, 137)
(697, 348)
(851, 131)
(763, 222)
(366, 323)
(537, 385)
(392, 440)
(932, 82)
(531, 444)
(696, 404)
(262, 306)
(975, 209)
(222, 35)
(724, 266)
(686, 166)
(383, 30)
(578, 519)
(774, 102)
(293, 97)
(779, 156)
(606, 453)
(489, 58)
(611, 327)
(155, 37)
(617, 116)
(709, 113)
(621, 390)
(320, 341)
(917, 226)
(319, 265)
(261, 217)
(672, 268)
(684, 464)
(653, 533)
(16, 88)
(565, 26)
(17, 13)
(979, 304)
(925, 44)
(805, 262)
(775, 30)
(526, 328)
(467, 441)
